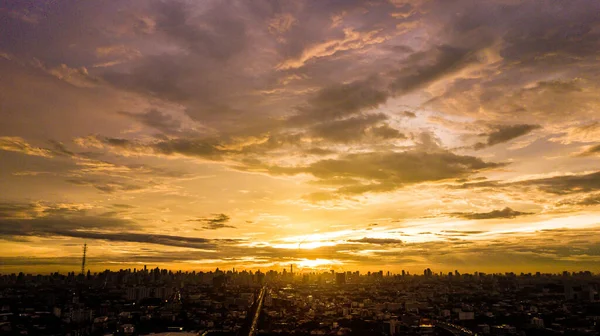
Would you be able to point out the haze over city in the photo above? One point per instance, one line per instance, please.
(328, 135)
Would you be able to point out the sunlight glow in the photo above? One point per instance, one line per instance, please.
(317, 263)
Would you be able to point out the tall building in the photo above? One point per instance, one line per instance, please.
(340, 278)
(569, 292)
(138, 293)
(393, 324)
(537, 322)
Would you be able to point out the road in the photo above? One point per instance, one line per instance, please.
(261, 299)
(250, 328)
(454, 329)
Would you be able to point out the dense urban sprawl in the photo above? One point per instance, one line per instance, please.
(145, 301)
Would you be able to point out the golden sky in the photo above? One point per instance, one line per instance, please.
(326, 134)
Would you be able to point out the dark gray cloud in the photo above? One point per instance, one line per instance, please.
(156, 119)
(59, 149)
(9, 210)
(590, 200)
(387, 132)
(377, 241)
(389, 171)
(529, 29)
(594, 150)
(566, 184)
(504, 213)
(539, 34)
(319, 151)
(484, 184)
(340, 101)
(19, 145)
(335, 114)
(559, 185)
(189, 147)
(213, 148)
(221, 35)
(206, 62)
(36, 220)
(123, 206)
(381, 172)
(534, 39)
(459, 233)
(504, 133)
(404, 167)
(201, 148)
(109, 187)
(40, 29)
(33, 219)
(350, 129)
(423, 68)
(215, 222)
(147, 238)
(158, 76)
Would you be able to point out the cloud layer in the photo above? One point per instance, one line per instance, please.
(268, 132)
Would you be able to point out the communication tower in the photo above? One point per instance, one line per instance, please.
(83, 259)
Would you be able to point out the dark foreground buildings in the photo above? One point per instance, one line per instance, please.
(226, 303)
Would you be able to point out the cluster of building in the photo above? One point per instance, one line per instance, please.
(134, 302)
(127, 302)
(433, 304)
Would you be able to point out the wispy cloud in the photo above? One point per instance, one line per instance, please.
(19, 145)
(504, 133)
(36, 220)
(215, 222)
(506, 213)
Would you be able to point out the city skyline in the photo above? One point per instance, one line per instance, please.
(364, 135)
(157, 301)
(285, 273)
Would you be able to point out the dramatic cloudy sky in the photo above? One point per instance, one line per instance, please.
(450, 134)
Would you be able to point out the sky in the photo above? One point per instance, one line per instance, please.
(345, 135)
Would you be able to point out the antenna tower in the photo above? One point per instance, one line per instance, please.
(83, 259)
